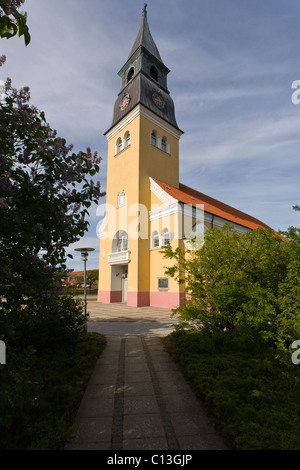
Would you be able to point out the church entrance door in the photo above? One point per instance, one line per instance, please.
(124, 286)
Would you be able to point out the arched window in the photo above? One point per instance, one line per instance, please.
(166, 238)
(154, 138)
(123, 243)
(127, 139)
(161, 143)
(153, 73)
(164, 144)
(130, 74)
(155, 239)
(119, 145)
(120, 242)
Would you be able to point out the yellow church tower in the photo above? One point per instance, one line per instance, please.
(143, 146)
(146, 205)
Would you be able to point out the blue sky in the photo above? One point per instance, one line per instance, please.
(232, 66)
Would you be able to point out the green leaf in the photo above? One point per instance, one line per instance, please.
(8, 28)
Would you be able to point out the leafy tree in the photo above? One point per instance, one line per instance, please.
(289, 299)
(44, 198)
(246, 281)
(91, 277)
(293, 233)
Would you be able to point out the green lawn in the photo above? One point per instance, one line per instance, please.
(252, 397)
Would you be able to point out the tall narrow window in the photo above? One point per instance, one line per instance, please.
(119, 245)
(122, 244)
(154, 138)
(164, 144)
(119, 145)
(130, 74)
(153, 73)
(121, 199)
(165, 237)
(155, 239)
(127, 138)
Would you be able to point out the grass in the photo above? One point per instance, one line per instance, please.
(252, 397)
(45, 421)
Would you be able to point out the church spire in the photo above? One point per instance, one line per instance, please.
(144, 38)
(144, 79)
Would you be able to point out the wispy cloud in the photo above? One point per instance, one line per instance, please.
(232, 64)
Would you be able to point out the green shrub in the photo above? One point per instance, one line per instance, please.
(252, 397)
(44, 323)
(247, 282)
(40, 395)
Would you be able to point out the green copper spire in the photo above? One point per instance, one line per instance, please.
(144, 79)
(144, 38)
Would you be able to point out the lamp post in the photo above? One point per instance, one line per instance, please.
(84, 257)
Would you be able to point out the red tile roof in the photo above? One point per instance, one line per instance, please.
(75, 273)
(188, 195)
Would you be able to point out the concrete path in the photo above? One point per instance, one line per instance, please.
(120, 320)
(137, 398)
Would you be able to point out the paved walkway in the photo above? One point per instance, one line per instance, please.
(137, 398)
(120, 320)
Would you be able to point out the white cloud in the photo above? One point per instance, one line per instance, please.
(232, 65)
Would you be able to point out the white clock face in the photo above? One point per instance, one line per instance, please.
(125, 102)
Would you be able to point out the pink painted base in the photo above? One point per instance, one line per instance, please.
(108, 297)
(143, 299)
(103, 297)
(138, 299)
(165, 299)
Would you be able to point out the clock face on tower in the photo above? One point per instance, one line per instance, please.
(125, 102)
(158, 100)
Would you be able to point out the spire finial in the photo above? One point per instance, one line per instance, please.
(145, 9)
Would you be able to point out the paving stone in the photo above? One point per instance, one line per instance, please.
(153, 443)
(93, 429)
(137, 398)
(93, 407)
(138, 389)
(144, 425)
(140, 404)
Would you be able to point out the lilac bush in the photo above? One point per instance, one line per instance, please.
(10, 6)
(45, 192)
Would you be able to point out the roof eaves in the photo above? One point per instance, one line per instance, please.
(225, 212)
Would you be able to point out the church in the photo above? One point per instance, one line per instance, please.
(146, 205)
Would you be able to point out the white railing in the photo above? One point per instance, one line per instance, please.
(119, 257)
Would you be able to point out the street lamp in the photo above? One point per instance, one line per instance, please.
(84, 257)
